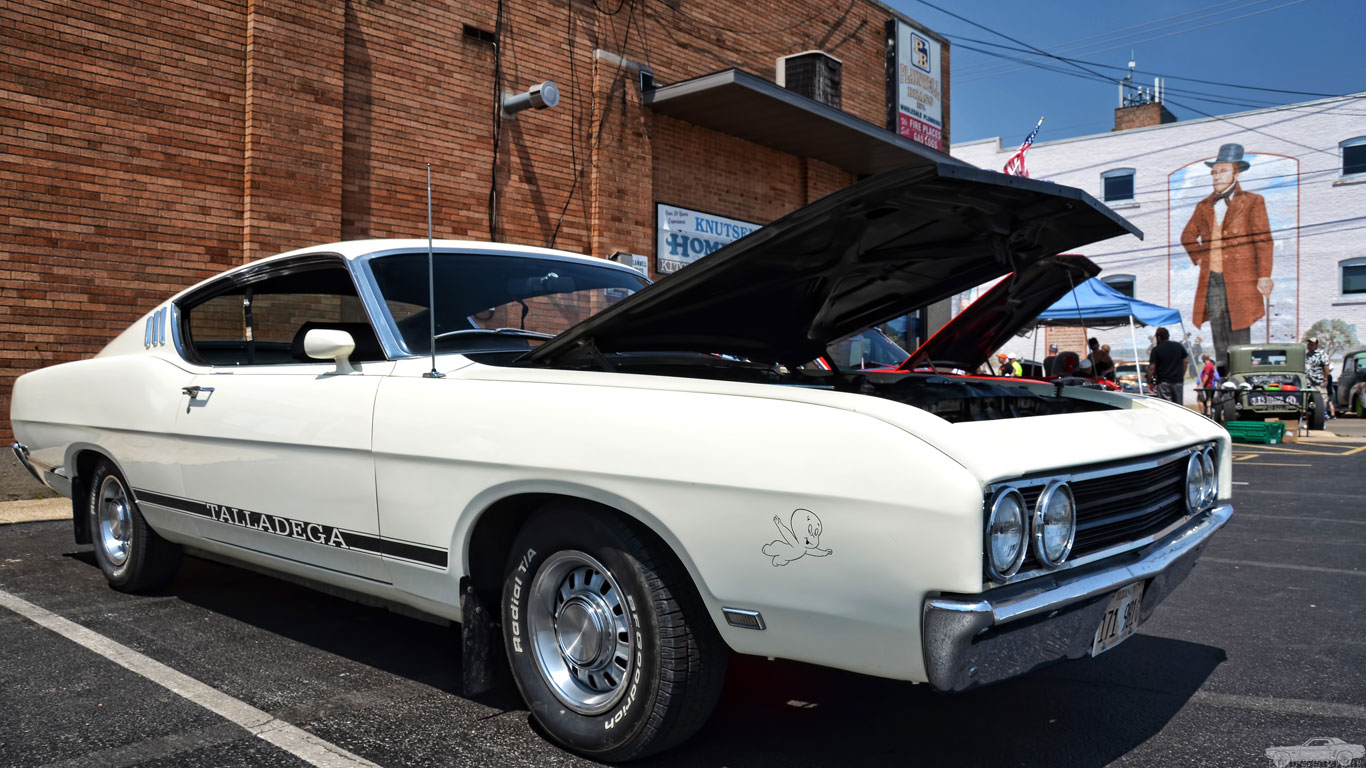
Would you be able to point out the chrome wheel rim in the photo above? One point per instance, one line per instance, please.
(581, 632)
(116, 520)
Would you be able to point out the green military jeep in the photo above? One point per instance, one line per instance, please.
(1267, 380)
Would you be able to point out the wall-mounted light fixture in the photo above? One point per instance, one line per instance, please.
(540, 96)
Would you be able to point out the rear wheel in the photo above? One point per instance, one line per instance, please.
(131, 555)
(608, 640)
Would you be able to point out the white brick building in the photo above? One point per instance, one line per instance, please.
(1308, 163)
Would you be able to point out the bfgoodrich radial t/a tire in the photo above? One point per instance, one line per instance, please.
(131, 555)
(608, 640)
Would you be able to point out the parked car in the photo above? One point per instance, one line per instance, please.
(1351, 383)
(1268, 380)
(1316, 751)
(620, 484)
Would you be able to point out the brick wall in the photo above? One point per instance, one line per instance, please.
(1142, 116)
(148, 144)
(121, 144)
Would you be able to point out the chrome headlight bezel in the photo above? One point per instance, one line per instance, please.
(1038, 523)
(1194, 489)
(1211, 476)
(998, 505)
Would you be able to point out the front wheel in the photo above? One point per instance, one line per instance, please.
(131, 555)
(1229, 410)
(1316, 412)
(608, 640)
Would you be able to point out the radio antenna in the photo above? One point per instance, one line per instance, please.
(431, 283)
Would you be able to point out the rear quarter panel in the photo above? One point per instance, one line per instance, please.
(122, 405)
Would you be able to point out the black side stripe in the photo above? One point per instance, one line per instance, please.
(316, 533)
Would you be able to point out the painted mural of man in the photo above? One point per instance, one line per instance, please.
(1229, 238)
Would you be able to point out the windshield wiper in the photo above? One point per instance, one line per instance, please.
(518, 332)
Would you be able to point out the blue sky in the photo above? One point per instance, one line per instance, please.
(1312, 46)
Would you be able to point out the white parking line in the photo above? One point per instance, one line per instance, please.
(1256, 564)
(1281, 706)
(295, 741)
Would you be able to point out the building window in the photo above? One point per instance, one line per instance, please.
(1354, 156)
(1122, 283)
(1117, 186)
(1353, 276)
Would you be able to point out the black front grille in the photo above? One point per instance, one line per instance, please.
(1121, 506)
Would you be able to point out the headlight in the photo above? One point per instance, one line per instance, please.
(1055, 524)
(1211, 480)
(1005, 539)
(1195, 483)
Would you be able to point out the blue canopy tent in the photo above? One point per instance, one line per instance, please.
(1097, 305)
(1094, 303)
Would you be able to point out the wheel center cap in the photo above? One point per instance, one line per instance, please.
(579, 631)
(119, 512)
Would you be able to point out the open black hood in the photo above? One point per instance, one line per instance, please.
(868, 253)
(1011, 306)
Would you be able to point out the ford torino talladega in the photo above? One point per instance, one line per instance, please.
(617, 484)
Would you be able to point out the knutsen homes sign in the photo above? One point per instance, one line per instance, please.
(915, 85)
(683, 236)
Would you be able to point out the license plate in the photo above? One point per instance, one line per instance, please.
(1289, 400)
(1120, 619)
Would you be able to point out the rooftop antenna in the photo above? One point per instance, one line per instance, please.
(1126, 83)
(431, 283)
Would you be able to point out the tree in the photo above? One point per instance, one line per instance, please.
(1334, 335)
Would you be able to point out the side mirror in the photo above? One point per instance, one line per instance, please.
(330, 344)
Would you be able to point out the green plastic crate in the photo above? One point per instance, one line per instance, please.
(1269, 432)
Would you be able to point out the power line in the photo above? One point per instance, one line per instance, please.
(1089, 50)
(1144, 72)
(1106, 79)
(1118, 38)
(1138, 254)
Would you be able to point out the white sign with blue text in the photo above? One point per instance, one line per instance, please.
(683, 236)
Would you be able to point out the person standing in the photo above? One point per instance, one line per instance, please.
(1229, 238)
(1016, 369)
(1206, 381)
(1101, 362)
(1167, 368)
(1048, 361)
(1316, 364)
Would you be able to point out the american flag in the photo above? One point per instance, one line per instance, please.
(1015, 166)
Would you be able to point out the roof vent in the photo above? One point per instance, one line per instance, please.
(813, 74)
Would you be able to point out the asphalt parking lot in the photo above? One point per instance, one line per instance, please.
(1264, 645)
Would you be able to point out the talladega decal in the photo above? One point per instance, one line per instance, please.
(302, 530)
(801, 538)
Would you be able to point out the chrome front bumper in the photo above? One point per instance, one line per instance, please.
(979, 639)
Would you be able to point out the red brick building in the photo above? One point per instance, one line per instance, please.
(148, 144)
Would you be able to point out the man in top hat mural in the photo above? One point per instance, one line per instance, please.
(1229, 239)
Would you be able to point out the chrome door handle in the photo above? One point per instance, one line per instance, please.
(194, 391)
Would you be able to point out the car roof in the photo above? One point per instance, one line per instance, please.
(351, 250)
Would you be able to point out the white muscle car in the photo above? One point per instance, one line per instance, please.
(617, 484)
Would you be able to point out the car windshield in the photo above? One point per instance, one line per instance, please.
(868, 349)
(493, 302)
(1268, 357)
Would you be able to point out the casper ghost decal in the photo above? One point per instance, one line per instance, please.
(802, 537)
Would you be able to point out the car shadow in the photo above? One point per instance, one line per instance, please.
(1088, 712)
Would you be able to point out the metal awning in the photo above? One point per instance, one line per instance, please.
(757, 110)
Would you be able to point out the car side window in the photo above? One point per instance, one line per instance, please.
(264, 321)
